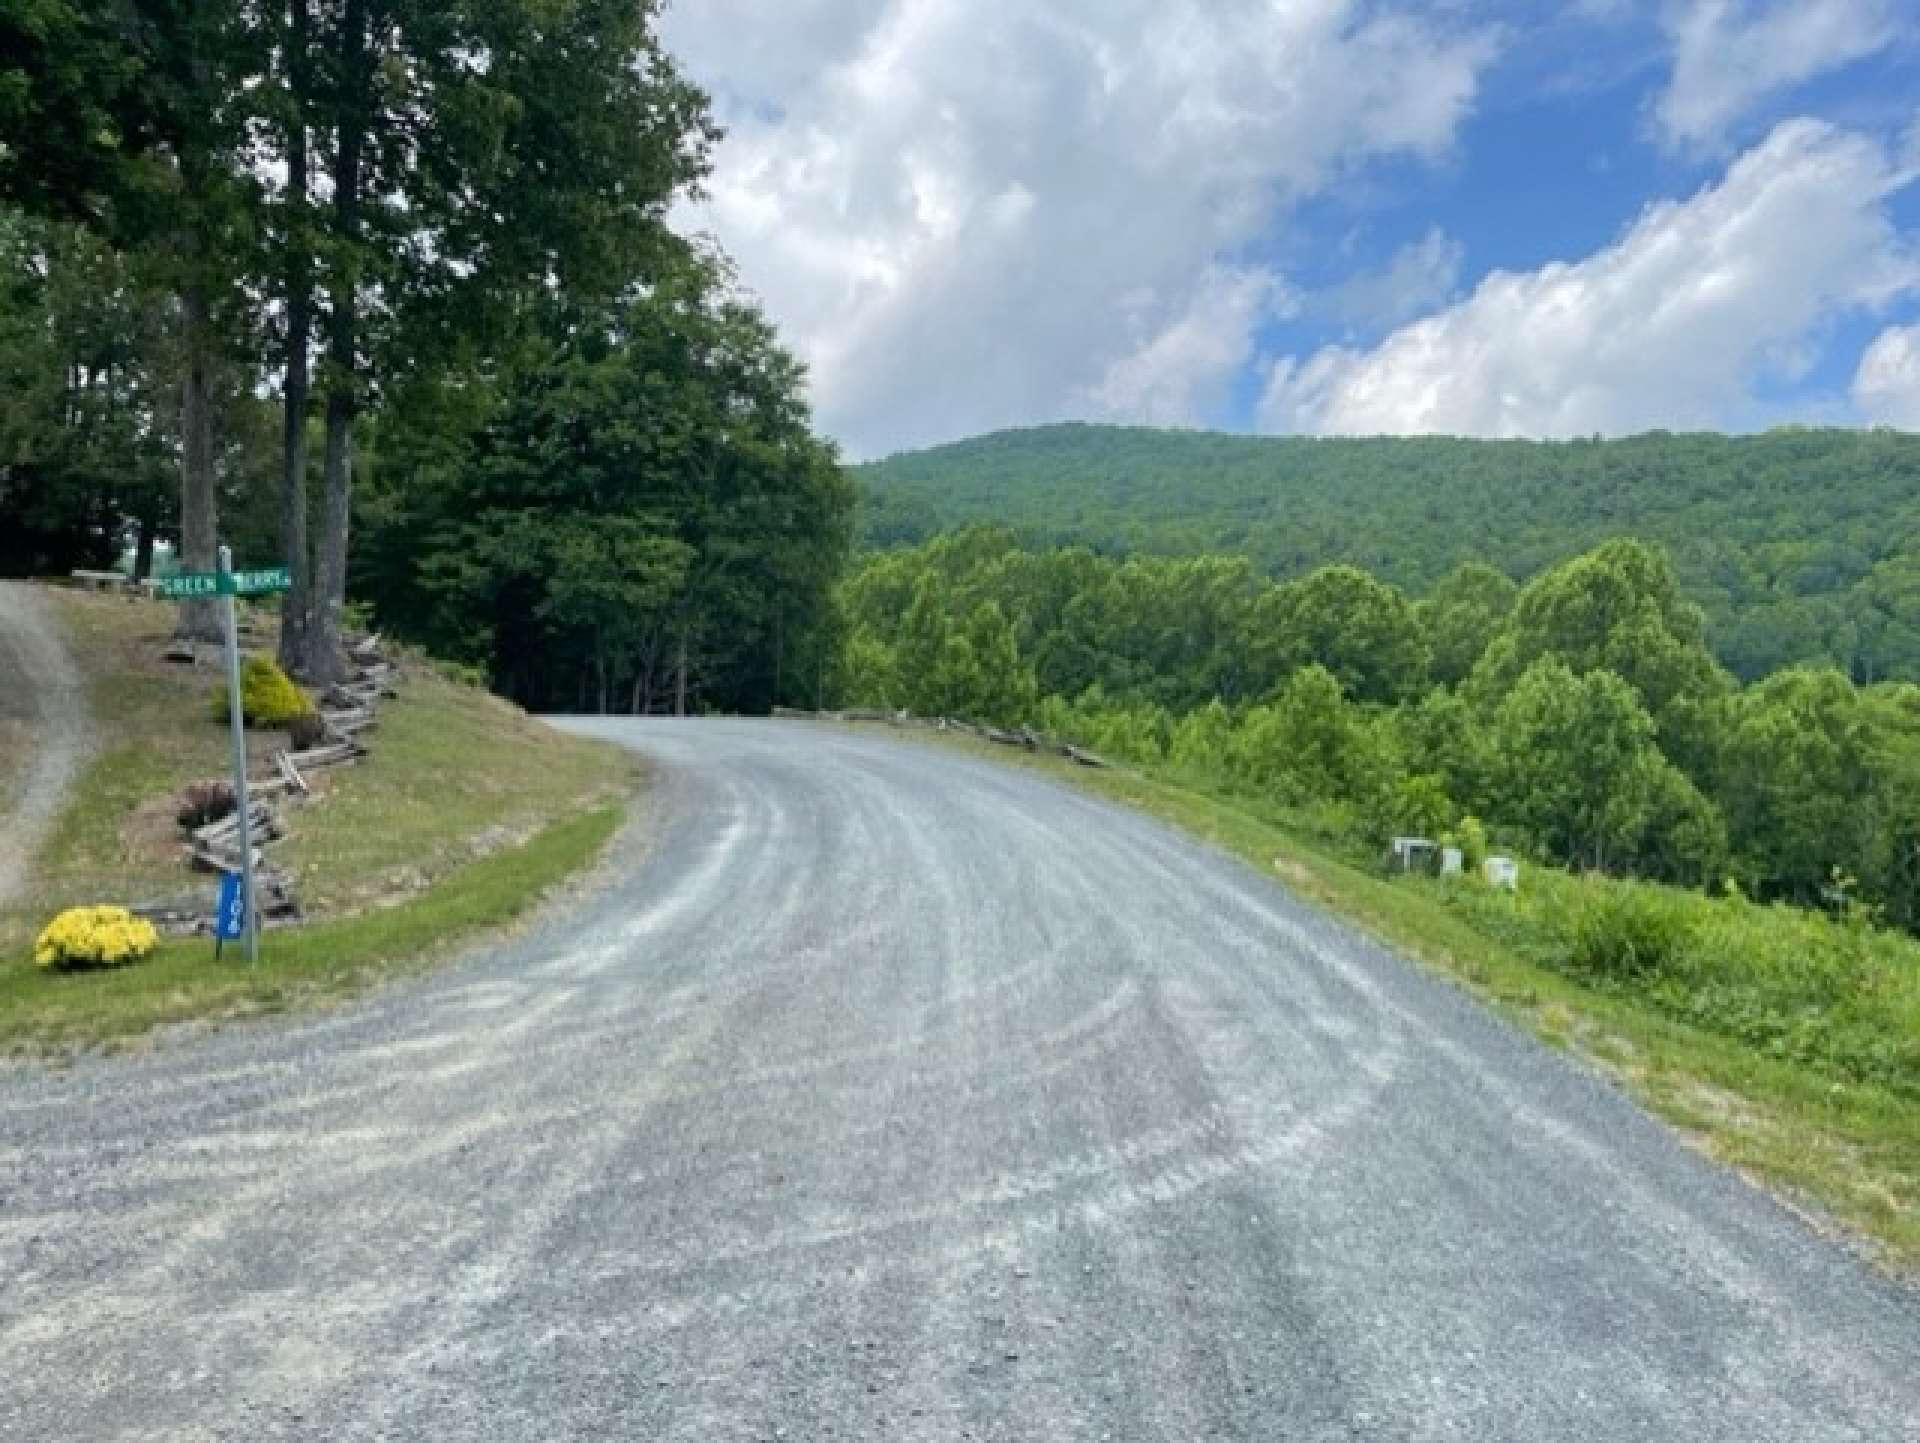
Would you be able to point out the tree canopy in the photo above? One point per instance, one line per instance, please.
(1796, 544)
(1580, 716)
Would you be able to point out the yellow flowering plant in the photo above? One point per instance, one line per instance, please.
(95, 937)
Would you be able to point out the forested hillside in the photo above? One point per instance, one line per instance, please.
(1800, 545)
(1580, 717)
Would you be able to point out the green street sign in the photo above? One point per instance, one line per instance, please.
(260, 583)
(214, 583)
(190, 583)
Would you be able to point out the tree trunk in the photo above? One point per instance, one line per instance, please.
(199, 521)
(680, 677)
(296, 607)
(330, 579)
(143, 549)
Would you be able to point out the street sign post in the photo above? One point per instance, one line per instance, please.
(230, 915)
(237, 915)
(260, 582)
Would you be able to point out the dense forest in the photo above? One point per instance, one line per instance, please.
(1799, 544)
(1579, 718)
(385, 290)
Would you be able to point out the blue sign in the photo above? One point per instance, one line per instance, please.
(230, 921)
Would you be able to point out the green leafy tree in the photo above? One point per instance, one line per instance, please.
(133, 122)
(1577, 761)
(1461, 616)
(1797, 782)
(1362, 631)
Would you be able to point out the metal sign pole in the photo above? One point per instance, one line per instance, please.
(239, 721)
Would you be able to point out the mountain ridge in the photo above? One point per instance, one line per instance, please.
(1798, 542)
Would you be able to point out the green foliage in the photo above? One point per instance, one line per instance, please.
(1339, 618)
(1793, 542)
(1577, 760)
(1231, 682)
(1796, 779)
(1461, 616)
(268, 696)
(635, 514)
(1471, 838)
(85, 411)
(1624, 933)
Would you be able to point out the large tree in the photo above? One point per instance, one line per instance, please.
(133, 121)
(664, 440)
(480, 157)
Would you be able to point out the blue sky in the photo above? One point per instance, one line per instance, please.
(1496, 217)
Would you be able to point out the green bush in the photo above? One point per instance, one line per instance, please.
(1471, 838)
(1620, 932)
(1840, 995)
(268, 697)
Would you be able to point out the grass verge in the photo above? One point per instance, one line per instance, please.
(466, 810)
(181, 982)
(1840, 1149)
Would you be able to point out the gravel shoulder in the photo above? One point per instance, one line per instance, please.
(895, 1094)
(43, 712)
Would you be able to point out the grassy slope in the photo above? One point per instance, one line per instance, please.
(1848, 1150)
(466, 811)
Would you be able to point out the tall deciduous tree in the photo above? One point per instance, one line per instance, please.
(132, 120)
(481, 157)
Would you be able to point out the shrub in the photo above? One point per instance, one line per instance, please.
(205, 802)
(95, 937)
(307, 731)
(1471, 838)
(460, 673)
(1620, 932)
(268, 697)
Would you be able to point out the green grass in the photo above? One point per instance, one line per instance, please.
(1829, 1129)
(456, 820)
(181, 982)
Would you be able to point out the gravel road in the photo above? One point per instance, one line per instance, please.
(894, 1095)
(40, 688)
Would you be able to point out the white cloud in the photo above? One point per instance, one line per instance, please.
(1668, 326)
(973, 213)
(1184, 373)
(1730, 56)
(1420, 276)
(1886, 388)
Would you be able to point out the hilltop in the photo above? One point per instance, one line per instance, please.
(1799, 543)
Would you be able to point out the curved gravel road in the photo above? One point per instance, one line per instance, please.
(40, 688)
(896, 1095)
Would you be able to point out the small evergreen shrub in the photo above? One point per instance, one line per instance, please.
(268, 697)
(94, 937)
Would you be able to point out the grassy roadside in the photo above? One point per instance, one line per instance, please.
(310, 965)
(1840, 1149)
(466, 812)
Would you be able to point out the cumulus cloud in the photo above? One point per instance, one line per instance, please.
(1886, 388)
(972, 213)
(1730, 56)
(1420, 276)
(1668, 326)
(1186, 370)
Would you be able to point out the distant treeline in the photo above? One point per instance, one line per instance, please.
(1581, 717)
(1799, 545)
